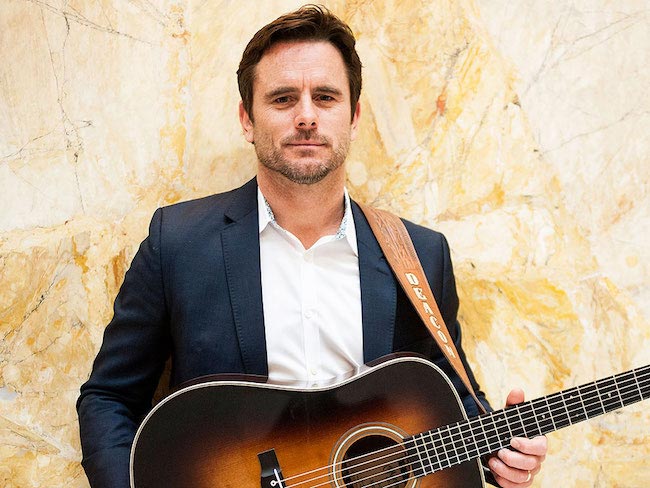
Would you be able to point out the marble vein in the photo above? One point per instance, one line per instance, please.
(71, 14)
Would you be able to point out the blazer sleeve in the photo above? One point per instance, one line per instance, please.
(127, 368)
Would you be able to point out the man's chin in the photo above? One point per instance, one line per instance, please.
(304, 170)
(304, 177)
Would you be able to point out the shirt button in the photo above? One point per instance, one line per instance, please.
(309, 314)
(313, 371)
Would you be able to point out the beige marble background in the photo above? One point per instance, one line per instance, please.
(519, 128)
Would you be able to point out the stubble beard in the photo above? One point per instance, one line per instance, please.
(306, 172)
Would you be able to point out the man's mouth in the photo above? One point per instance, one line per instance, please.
(305, 142)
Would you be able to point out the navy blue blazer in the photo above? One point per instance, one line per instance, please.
(193, 292)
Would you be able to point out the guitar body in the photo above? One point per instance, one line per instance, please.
(210, 434)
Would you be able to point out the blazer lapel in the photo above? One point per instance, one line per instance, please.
(378, 292)
(241, 251)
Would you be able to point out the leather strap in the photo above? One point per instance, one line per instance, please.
(398, 248)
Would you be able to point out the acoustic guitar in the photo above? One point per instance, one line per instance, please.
(398, 423)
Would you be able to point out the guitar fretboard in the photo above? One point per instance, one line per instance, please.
(456, 443)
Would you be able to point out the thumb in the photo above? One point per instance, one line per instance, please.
(514, 397)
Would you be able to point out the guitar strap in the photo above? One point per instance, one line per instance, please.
(398, 248)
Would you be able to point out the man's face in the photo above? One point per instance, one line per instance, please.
(301, 107)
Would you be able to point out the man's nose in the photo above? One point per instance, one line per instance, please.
(306, 116)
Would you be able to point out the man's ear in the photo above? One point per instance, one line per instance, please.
(246, 123)
(355, 122)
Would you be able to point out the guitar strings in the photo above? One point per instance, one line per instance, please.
(458, 458)
(372, 458)
(399, 477)
(639, 387)
(632, 390)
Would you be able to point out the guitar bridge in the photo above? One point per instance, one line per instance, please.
(271, 476)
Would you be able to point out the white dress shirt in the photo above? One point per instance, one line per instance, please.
(311, 299)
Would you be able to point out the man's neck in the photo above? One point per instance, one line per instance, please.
(309, 212)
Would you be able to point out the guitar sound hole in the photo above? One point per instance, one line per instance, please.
(386, 466)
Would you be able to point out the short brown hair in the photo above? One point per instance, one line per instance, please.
(308, 23)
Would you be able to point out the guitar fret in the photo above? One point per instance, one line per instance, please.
(638, 387)
(510, 434)
(445, 447)
(591, 400)
(559, 410)
(542, 416)
(486, 431)
(418, 453)
(473, 432)
(550, 412)
(581, 395)
(472, 443)
(496, 433)
(459, 440)
(521, 421)
(645, 394)
(502, 428)
(618, 389)
(600, 398)
(573, 404)
(444, 461)
(564, 396)
(456, 440)
(529, 413)
(428, 454)
(411, 450)
(483, 430)
(462, 444)
(436, 448)
(441, 446)
(609, 396)
(627, 383)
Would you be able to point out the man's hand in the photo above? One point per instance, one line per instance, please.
(517, 467)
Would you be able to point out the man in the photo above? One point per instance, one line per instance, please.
(281, 277)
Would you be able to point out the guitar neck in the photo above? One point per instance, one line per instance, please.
(456, 443)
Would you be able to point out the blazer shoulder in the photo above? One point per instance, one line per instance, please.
(424, 236)
(189, 211)
(218, 209)
(186, 223)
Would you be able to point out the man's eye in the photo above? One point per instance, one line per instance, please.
(281, 100)
(325, 98)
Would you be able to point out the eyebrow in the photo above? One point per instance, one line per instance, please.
(283, 90)
(328, 89)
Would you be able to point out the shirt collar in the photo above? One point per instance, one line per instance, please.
(346, 229)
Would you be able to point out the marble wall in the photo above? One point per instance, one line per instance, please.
(519, 128)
